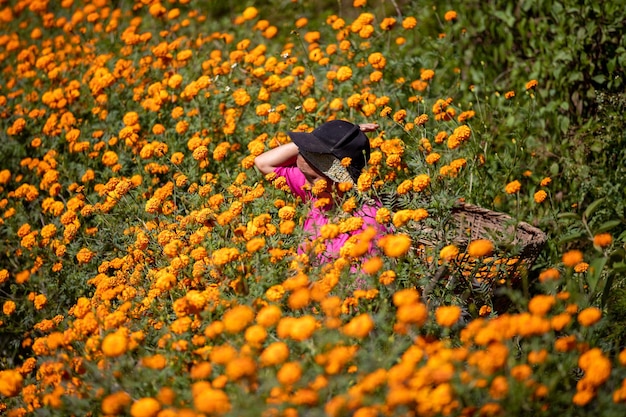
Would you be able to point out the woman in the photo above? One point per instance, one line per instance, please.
(314, 166)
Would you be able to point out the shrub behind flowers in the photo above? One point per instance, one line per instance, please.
(148, 269)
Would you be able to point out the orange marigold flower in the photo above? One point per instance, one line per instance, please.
(250, 13)
(375, 76)
(364, 183)
(468, 114)
(182, 127)
(130, 118)
(309, 105)
(302, 328)
(114, 344)
(448, 253)
(268, 315)
(589, 316)
(184, 55)
(596, 367)
(275, 292)
(536, 357)
(223, 256)
(499, 387)
(239, 367)
(582, 398)
(540, 196)
(387, 277)
(513, 187)
(237, 318)
(421, 182)
(427, 74)
(541, 304)
(433, 158)
(545, 182)
(399, 116)
(320, 186)
(372, 265)
(419, 85)
(157, 361)
(84, 256)
(480, 247)
(388, 23)
(521, 372)
(289, 373)
(386, 111)
(359, 327)
(241, 97)
(377, 60)
(211, 401)
(395, 245)
(581, 267)
(406, 296)
(254, 245)
(572, 258)
(201, 370)
(174, 81)
(40, 301)
(8, 307)
(383, 215)
(484, 311)
(109, 158)
(559, 321)
(602, 239)
(274, 354)
(447, 316)
(550, 274)
(10, 383)
(531, 84)
(409, 22)
(414, 313)
(344, 73)
(286, 227)
(115, 403)
(299, 298)
(450, 15)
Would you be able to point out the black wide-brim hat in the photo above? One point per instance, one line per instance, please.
(338, 138)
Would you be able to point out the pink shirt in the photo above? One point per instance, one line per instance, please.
(316, 217)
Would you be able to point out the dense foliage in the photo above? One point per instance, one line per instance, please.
(148, 269)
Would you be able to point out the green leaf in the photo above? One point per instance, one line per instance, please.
(592, 208)
(606, 226)
(595, 272)
(575, 76)
(508, 18)
(568, 216)
(563, 55)
(570, 237)
(619, 267)
(600, 79)
(554, 169)
(564, 123)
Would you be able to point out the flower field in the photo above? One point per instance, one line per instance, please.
(148, 269)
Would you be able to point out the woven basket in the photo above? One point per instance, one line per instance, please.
(517, 244)
(469, 222)
(475, 222)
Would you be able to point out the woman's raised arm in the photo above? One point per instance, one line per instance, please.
(283, 155)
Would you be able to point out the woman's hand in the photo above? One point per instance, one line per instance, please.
(368, 127)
